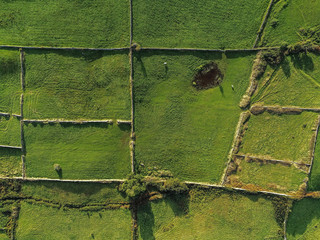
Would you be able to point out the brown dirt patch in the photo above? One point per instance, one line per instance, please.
(208, 76)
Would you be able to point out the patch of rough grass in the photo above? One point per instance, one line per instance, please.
(10, 162)
(10, 131)
(41, 222)
(283, 137)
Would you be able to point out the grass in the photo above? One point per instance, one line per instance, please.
(202, 24)
(10, 162)
(303, 222)
(208, 215)
(10, 87)
(5, 212)
(284, 137)
(74, 84)
(41, 222)
(178, 127)
(295, 83)
(63, 23)
(10, 131)
(314, 183)
(275, 177)
(91, 151)
(75, 193)
(288, 17)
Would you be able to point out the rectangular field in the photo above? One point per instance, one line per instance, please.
(42, 222)
(10, 131)
(296, 82)
(178, 127)
(77, 84)
(63, 23)
(215, 24)
(10, 86)
(287, 19)
(90, 151)
(208, 214)
(10, 162)
(282, 137)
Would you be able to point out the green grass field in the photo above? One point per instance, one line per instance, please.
(275, 177)
(91, 151)
(10, 131)
(202, 24)
(295, 83)
(74, 84)
(10, 162)
(64, 23)
(287, 17)
(41, 222)
(5, 212)
(314, 183)
(285, 137)
(75, 193)
(180, 128)
(10, 86)
(304, 220)
(208, 215)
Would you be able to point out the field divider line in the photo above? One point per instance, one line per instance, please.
(73, 121)
(210, 50)
(288, 108)
(272, 160)
(12, 147)
(31, 179)
(285, 223)
(314, 145)
(62, 48)
(238, 131)
(263, 24)
(22, 74)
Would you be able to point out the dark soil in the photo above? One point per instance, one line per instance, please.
(208, 76)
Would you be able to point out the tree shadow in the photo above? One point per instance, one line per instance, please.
(146, 221)
(221, 90)
(302, 61)
(285, 66)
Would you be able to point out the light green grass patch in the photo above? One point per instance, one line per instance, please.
(197, 24)
(314, 183)
(10, 86)
(76, 193)
(10, 162)
(64, 23)
(209, 215)
(287, 17)
(10, 131)
(73, 85)
(304, 220)
(284, 137)
(295, 83)
(90, 151)
(270, 176)
(41, 222)
(178, 127)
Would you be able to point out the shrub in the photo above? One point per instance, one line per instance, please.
(273, 56)
(134, 186)
(257, 109)
(57, 167)
(173, 185)
(245, 101)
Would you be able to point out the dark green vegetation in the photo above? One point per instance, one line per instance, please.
(270, 176)
(89, 151)
(314, 184)
(10, 87)
(42, 222)
(77, 85)
(288, 19)
(10, 162)
(208, 214)
(178, 127)
(296, 82)
(65, 23)
(303, 222)
(214, 24)
(283, 137)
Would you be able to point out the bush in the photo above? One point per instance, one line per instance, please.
(273, 56)
(57, 167)
(134, 186)
(173, 185)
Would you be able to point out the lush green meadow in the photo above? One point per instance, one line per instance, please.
(287, 18)
(296, 82)
(283, 137)
(10, 131)
(304, 220)
(10, 162)
(208, 215)
(10, 86)
(314, 183)
(90, 151)
(270, 176)
(178, 127)
(64, 23)
(42, 222)
(197, 24)
(74, 193)
(75, 84)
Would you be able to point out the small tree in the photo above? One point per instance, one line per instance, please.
(134, 186)
(57, 167)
